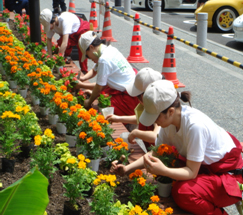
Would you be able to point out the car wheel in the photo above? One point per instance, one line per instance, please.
(150, 5)
(224, 18)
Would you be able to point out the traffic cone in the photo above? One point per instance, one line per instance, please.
(71, 6)
(107, 32)
(169, 64)
(136, 53)
(93, 16)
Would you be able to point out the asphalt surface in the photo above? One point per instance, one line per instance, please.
(216, 86)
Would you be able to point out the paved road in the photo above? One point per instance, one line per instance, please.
(184, 19)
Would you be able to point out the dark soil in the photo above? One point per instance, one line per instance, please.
(56, 199)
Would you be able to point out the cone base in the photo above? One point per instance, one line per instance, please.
(72, 11)
(176, 82)
(109, 39)
(137, 60)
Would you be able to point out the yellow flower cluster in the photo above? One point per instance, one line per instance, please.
(48, 133)
(137, 210)
(26, 109)
(10, 114)
(106, 178)
(38, 139)
(82, 161)
(156, 210)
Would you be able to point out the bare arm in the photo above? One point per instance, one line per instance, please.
(63, 46)
(49, 46)
(90, 74)
(155, 166)
(95, 93)
(124, 119)
(148, 136)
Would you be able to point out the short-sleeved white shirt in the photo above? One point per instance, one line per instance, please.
(199, 139)
(68, 23)
(114, 70)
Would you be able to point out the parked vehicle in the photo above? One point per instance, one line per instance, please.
(238, 28)
(221, 13)
(167, 4)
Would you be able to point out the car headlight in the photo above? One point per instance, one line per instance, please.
(238, 28)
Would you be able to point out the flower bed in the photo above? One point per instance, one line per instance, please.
(53, 94)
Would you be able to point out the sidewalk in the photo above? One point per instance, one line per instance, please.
(216, 86)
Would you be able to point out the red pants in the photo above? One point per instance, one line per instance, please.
(122, 102)
(208, 193)
(73, 41)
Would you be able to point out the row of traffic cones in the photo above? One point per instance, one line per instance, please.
(136, 56)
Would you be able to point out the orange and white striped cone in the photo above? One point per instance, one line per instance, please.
(71, 6)
(93, 16)
(169, 64)
(136, 53)
(107, 32)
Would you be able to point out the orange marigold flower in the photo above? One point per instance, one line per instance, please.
(63, 87)
(92, 111)
(90, 139)
(101, 134)
(118, 140)
(141, 181)
(169, 210)
(35, 84)
(82, 135)
(155, 198)
(80, 123)
(64, 105)
(138, 172)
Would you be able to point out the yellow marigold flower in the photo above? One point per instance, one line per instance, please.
(154, 208)
(48, 132)
(18, 109)
(81, 157)
(81, 165)
(1, 85)
(155, 198)
(71, 160)
(87, 160)
(38, 139)
(96, 181)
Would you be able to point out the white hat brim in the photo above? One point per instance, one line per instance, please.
(132, 90)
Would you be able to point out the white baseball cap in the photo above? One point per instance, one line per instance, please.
(144, 77)
(45, 19)
(157, 97)
(84, 42)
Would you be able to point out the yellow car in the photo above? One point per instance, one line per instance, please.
(221, 13)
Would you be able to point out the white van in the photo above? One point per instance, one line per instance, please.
(167, 4)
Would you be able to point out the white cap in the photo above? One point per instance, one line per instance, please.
(45, 19)
(84, 42)
(144, 77)
(157, 97)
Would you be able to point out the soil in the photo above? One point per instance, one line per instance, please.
(56, 199)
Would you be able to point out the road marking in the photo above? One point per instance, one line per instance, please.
(174, 13)
(228, 35)
(191, 22)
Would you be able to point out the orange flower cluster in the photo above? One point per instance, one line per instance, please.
(118, 145)
(164, 148)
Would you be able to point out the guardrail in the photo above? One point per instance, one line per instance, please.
(193, 45)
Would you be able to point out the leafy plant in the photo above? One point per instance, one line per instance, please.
(116, 150)
(141, 189)
(104, 100)
(103, 196)
(169, 156)
(9, 133)
(6, 13)
(81, 97)
(59, 58)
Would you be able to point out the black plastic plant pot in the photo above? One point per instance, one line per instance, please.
(25, 150)
(8, 165)
(69, 210)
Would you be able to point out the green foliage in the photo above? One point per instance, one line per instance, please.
(61, 148)
(141, 189)
(124, 208)
(75, 184)
(45, 159)
(103, 203)
(15, 200)
(104, 100)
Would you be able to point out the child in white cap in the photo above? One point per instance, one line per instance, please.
(113, 74)
(213, 162)
(69, 26)
(148, 134)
